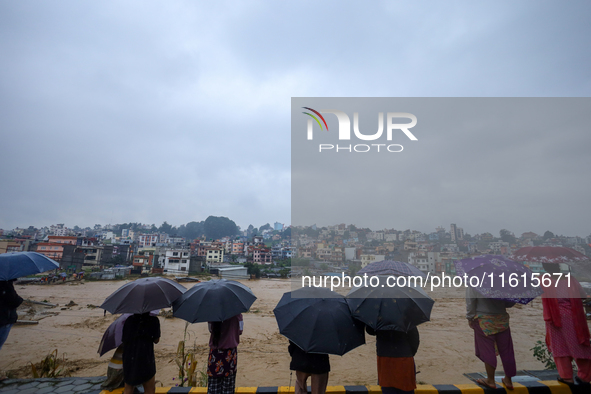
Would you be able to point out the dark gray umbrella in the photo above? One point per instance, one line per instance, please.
(19, 264)
(215, 300)
(143, 295)
(390, 267)
(390, 308)
(318, 320)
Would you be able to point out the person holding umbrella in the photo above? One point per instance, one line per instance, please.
(567, 333)
(392, 314)
(220, 303)
(113, 339)
(223, 354)
(502, 285)
(317, 322)
(307, 365)
(114, 371)
(9, 301)
(490, 321)
(396, 364)
(12, 266)
(140, 333)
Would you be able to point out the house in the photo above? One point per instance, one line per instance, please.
(175, 260)
(214, 255)
(145, 240)
(370, 258)
(262, 256)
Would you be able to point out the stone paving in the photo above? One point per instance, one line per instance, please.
(52, 386)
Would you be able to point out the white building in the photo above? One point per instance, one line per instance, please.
(350, 253)
(370, 258)
(175, 260)
(233, 273)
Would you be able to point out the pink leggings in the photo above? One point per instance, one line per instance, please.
(565, 368)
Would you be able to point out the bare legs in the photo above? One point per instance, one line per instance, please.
(149, 387)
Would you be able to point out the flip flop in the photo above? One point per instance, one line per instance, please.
(564, 381)
(508, 386)
(483, 383)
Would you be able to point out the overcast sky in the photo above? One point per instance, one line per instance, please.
(484, 164)
(148, 111)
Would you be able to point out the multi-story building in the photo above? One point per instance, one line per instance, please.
(145, 240)
(305, 253)
(60, 239)
(500, 247)
(54, 251)
(175, 260)
(425, 261)
(262, 256)
(370, 258)
(237, 247)
(214, 255)
(7, 246)
(457, 233)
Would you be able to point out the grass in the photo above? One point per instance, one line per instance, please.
(51, 366)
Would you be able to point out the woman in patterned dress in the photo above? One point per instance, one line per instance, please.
(223, 355)
(567, 333)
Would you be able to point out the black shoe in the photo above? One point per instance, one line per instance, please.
(580, 381)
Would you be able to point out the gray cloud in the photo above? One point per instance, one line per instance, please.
(142, 111)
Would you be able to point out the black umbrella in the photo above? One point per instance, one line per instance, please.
(19, 264)
(390, 308)
(215, 300)
(143, 295)
(318, 320)
(389, 267)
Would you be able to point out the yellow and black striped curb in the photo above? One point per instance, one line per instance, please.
(536, 387)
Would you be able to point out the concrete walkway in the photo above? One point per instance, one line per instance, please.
(52, 386)
(92, 385)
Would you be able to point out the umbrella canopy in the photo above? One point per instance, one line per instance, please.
(510, 281)
(113, 336)
(548, 254)
(143, 295)
(318, 320)
(214, 300)
(389, 267)
(19, 264)
(390, 308)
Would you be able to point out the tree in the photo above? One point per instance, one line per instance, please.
(217, 227)
(300, 262)
(284, 272)
(286, 234)
(253, 269)
(192, 230)
(548, 235)
(354, 267)
(265, 227)
(165, 228)
(507, 236)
